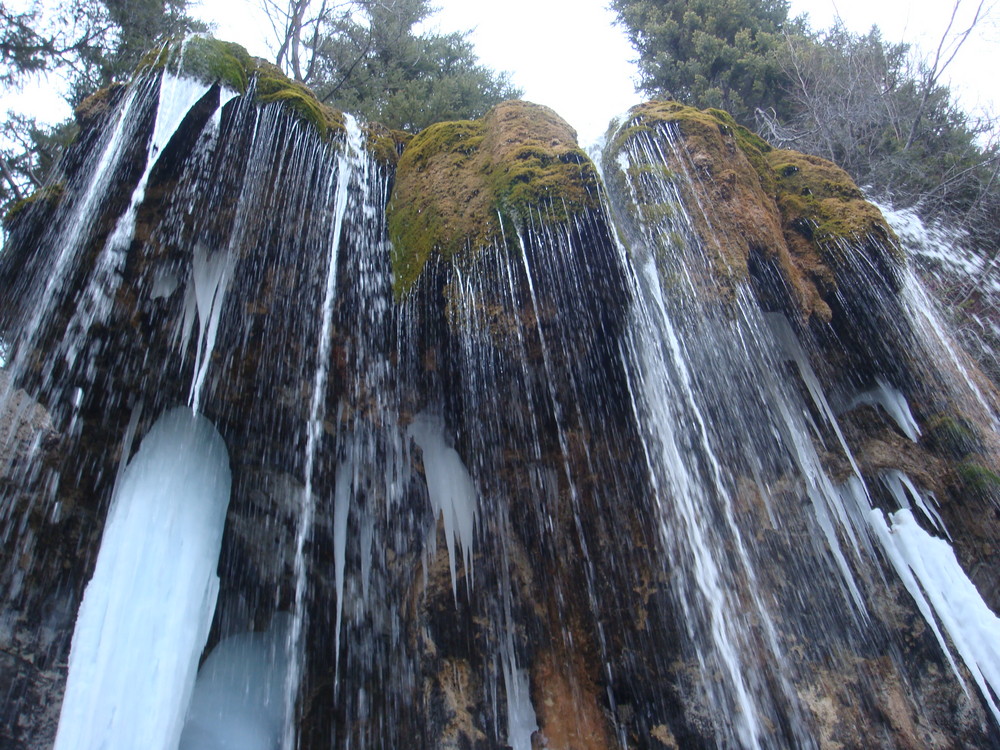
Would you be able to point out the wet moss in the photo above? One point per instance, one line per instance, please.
(728, 172)
(91, 109)
(275, 86)
(210, 60)
(701, 129)
(820, 201)
(48, 196)
(461, 185)
(796, 214)
(385, 144)
(978, 480)
(229, 64)
(951, 436)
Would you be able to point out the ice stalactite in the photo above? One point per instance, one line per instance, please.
(451, 492)
(146, 612)
(210, 276)
(894, 404)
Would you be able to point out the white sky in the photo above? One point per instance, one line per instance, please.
(568, 55)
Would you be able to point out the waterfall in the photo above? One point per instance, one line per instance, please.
(651, 461)
(146, 612)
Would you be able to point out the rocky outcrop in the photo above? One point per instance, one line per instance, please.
(495, 298)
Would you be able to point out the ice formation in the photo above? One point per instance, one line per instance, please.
(450, 488)
(146, 612)
(238, 701)
(894, 404)
(211, 274)
(932, 574)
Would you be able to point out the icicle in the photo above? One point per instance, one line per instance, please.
(341, 513)
(944, 594)
(899, 484)
(894, 404)
(211, 273)
(521, 719)
(450, 489)
(147, 610)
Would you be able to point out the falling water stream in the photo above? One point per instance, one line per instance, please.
(627, 458)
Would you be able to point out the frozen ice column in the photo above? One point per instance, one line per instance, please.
(146, 612)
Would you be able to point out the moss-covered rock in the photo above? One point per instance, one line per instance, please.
(461, 185)
(820, 201)
(722, 165)
(230, 65)
(94, 107)
(952, 436)
(978, 479)
(48, 196)
(385, 144)
(794, 214)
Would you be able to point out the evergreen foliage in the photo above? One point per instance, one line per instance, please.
(711, 53)
(89, 44)
(370, 57)
(863, 102)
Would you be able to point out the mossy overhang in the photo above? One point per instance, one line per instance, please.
(821, 202)
(726, 168)
(230, 65)
(48, 195)
(461, 186)
(801, 211)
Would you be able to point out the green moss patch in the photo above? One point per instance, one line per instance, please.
(48, 196)
(979, 480)
(951, 436)
(207, 59)
(385, 144)
(275, 86)
(460, 185)
(820, 201)
(212, 60)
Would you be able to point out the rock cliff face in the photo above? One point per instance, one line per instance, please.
(535, 457)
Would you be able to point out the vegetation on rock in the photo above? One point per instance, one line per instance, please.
(229, 64)
(800, 213)
(49, 195)
(461, 185)
(870, 105)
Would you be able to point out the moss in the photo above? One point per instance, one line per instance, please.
(819, 200)
(384, 144)
(701, 129)
(460, 185)
(49, 196)
(797, 214)
(97, 104)
(730, 174)
(212, 60)
(976, 478)
(951, 436)
(275, 86)
(207, 59)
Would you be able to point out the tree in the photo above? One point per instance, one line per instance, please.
(711, 53)
(366, 57)
(870, 106)
(86, 43)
